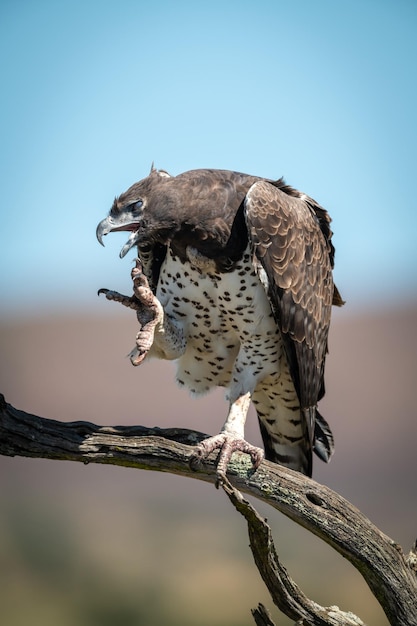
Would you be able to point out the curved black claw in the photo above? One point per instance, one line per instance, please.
(130, 301)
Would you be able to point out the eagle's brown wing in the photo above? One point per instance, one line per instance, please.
(292, 252)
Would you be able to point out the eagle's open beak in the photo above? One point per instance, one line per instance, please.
(108, 225)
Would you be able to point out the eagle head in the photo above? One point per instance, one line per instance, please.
(129, 211)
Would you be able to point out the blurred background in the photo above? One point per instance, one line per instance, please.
(321, 93)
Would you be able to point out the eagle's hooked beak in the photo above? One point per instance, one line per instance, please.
(105, 227)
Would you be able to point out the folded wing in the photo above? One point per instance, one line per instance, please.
(293, 255)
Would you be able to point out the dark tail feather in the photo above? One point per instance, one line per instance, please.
(323, 439)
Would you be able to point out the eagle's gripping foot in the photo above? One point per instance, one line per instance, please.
(148, 311)
(226, 443)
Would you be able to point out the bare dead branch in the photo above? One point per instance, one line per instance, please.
(390, 574)
(285, 593)
(261, 616)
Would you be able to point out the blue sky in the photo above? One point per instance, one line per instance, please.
(324, 93)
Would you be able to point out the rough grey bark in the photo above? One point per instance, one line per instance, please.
(390, 574)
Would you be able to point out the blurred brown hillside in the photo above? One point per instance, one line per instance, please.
(97, 546)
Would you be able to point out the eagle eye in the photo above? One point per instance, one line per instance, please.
(136, 206)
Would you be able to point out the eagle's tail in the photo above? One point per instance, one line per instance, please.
(323, 439)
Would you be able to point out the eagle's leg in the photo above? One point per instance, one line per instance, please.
(157, 330)
(149, 314)
(230, 439)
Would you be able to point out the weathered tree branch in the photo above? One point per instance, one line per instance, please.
(285, 593)
(261, 616)
(391, 576)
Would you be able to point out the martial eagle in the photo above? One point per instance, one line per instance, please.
(234, 281)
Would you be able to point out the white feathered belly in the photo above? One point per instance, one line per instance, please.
(227, 320)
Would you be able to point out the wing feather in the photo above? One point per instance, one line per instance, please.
(290, 239)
